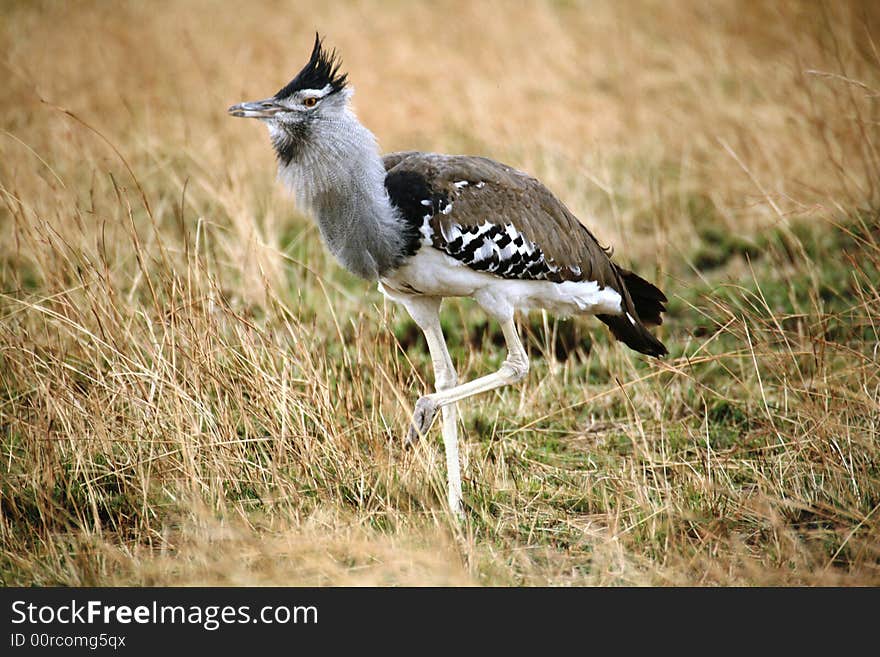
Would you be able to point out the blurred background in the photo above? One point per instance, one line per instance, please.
(188, 377)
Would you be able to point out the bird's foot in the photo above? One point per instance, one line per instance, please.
(456, 508)
(423, 415)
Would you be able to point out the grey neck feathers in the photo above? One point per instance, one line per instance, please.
(337, 174)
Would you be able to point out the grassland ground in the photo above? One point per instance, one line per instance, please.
(193, 392)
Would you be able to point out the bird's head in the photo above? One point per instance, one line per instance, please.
(317, 95)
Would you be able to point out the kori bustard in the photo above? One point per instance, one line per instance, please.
(428, 226)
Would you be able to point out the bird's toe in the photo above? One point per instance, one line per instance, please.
(423, 415)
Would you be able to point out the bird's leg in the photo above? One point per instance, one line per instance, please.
(513, 369)
(426, 313)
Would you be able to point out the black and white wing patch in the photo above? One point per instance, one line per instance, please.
(499, 249)
(495, 246)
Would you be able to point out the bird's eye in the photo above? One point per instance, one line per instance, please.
(310, 102)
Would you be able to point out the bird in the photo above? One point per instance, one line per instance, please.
(427, 226)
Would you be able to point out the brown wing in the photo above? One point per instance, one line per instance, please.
(470, 192)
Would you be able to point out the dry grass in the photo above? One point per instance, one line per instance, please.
(191, 391)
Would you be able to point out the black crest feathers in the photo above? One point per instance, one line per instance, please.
(321, 70)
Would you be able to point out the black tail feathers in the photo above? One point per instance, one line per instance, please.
(633, 335)
(647, 298)
(648, 302)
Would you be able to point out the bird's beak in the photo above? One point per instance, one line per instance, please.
(258, 109)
